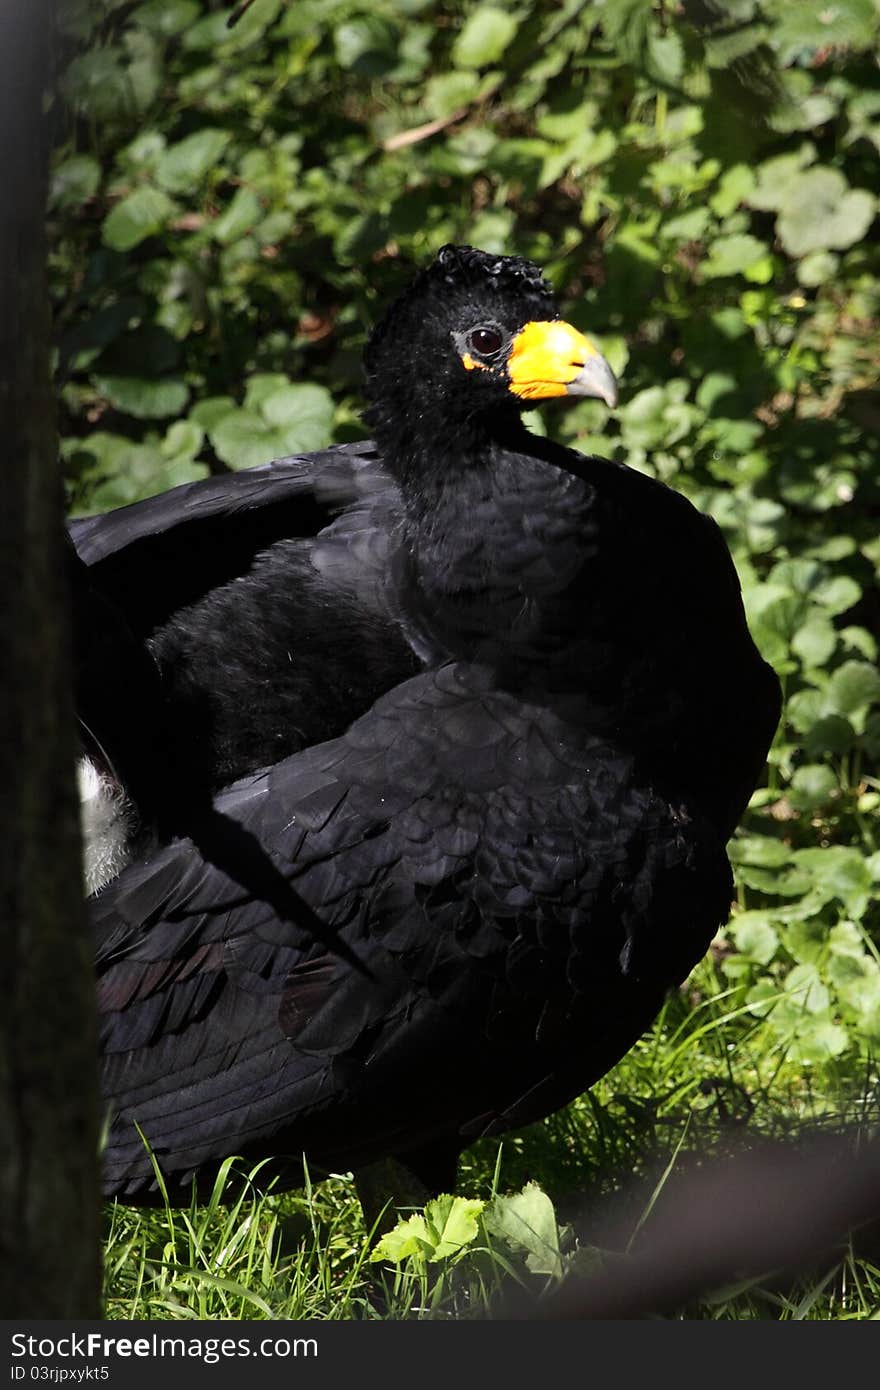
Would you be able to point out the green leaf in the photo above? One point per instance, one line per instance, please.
(566, 118)
(830, 734)
(210, 409)
(807, 940)
(183, 441)
(858, 639)
(73, 181)
(238, 217)
(526, 1221)
(144, 72)
(776, 625)
(724, 47)
(804, 984)
(98, 83)
(279, 418)
(664, 58)
(207, 33)
(818, 1040)
(762, 850)
(840, 872)
(303, 404)
(144, 398)
(763, 998)
(242, 439)
(803, 107)
(165, 18)
(367, 44)
(852, 688)
(817, 268)
(408, 1239)
(803, 709)
(820, 211)
(755, 936)
(801, 576)
(446, 93)
(731, 255)
(791, 883)
(182, 167)
(483, 38)
(452, 1224)
(448, 1225)
(778, 176)
(142, 152)
(492, 231)
(141, 214)
(815, 642)
(734, 187)
(262, 385)
(253, 24)
(304, 415)
(813, 786)
(688, 226)
(816, 24)
(853, 973)
(130, 472)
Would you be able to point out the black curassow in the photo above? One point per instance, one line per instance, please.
(274, 605)
(452, 917)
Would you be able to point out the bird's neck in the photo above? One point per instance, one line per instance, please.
(496, 533)
(433, 445)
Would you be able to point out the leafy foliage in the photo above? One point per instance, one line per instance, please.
(230, 207)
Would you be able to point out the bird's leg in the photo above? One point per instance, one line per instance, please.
(392, 1186)
(385, 1189)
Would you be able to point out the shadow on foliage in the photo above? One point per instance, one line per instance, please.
(768, 1211)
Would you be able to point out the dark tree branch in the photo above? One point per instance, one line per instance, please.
(238, 12)
(49, 1209)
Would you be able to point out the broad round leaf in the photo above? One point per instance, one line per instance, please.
(820, 211)
(731, 255)
(852, 688)
(241, 439)
(755, 937)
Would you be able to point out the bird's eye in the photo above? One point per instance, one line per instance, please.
(485, 341)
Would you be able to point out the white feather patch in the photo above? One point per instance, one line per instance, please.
(108, 822)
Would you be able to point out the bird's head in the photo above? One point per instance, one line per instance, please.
(476, 334)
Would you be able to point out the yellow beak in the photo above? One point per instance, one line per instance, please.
(554, 359)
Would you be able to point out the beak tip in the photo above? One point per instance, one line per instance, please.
(595, 379)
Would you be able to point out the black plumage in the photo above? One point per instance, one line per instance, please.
(456, 914)
(263, 605)
(276, 604)
(516, 905)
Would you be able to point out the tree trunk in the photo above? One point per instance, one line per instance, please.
(49, 1206)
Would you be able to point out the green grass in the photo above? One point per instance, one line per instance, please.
(707, 1076)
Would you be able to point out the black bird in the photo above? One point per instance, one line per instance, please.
(276, 604)
(454, 916)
